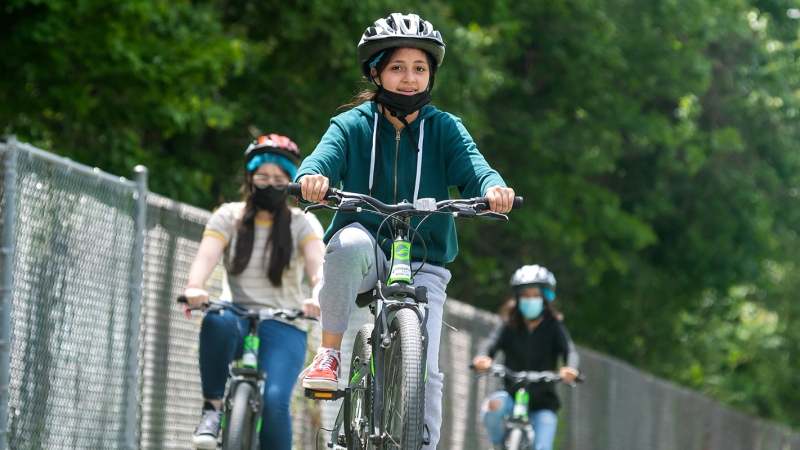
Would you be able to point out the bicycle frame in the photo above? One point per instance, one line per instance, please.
(519, 418)
(246, 370)
(388, 298)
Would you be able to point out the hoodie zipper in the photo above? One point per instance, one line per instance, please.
(396, 157)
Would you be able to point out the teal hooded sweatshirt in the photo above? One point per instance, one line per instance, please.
(449, 158)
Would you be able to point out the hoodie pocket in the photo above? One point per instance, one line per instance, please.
(425, 234)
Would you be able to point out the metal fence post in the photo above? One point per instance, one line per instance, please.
(7, 288)
(135, 300)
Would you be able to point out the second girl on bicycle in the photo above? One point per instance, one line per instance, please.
(268, 248)
(532, 338)
(393, 145)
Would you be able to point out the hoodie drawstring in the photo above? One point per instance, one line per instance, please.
(372, 158)
(419, 158)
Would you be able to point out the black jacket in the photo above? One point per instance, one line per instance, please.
(536, 349)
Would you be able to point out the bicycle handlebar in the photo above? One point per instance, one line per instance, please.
(338, 196)
(263, 313)
(499, 370)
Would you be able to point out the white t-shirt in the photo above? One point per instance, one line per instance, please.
(252, 289)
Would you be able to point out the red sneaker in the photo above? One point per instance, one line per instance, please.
(323, 373)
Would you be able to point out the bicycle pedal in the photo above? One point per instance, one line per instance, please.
(323, 395)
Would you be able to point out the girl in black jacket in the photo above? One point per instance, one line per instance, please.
(532, 338)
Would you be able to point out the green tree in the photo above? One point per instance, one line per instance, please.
(112, 83)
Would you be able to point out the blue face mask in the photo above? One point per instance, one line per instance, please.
(531, 307)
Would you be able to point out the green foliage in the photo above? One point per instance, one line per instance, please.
(656, 145)
(113, 83)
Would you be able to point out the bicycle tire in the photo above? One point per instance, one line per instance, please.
(404, 394)
(240, 422)
(361, 399)
(514, 439)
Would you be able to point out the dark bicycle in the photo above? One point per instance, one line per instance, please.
(519, 434)
(384, 402)
(244, 402)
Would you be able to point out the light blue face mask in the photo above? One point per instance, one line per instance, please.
(531, 307)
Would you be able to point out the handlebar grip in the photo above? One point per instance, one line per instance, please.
(297, 190)
(294, 189)
(182, 299)
(516, 205)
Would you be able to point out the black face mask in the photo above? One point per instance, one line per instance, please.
(269, 197)
(402, 105)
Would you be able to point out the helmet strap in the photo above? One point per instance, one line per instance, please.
(402, 120)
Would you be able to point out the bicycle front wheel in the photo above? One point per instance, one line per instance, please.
(239, 433)
(404, 394)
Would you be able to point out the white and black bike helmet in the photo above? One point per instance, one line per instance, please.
(534, 275)
(399, 30)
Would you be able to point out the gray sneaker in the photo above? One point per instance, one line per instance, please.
(205, 436)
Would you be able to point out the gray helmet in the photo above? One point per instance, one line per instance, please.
(399, 30)
(533, 275)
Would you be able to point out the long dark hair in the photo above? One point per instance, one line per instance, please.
(280, 239)
(369, 95)
(514, 319)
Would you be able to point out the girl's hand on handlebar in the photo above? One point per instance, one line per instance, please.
(314, 187)
(310, 307)
(500, 199)
(195, 298)
(568, 374)
(482, 363)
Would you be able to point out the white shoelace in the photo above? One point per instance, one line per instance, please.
(328, 357)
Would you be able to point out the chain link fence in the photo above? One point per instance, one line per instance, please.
(100, 357)
(72, 275)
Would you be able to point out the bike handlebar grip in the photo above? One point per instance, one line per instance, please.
(516, 205)
(294, 189)
(182, 299)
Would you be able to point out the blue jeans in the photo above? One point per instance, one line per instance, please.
(544, 422)
(282, 355)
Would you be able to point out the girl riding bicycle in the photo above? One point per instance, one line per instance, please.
(532, 338)
(268, 247)
(393, 145)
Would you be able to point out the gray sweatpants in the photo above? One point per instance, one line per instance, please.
(349, 269)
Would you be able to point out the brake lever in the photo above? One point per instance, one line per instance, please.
(319, 206)
(493, 215)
